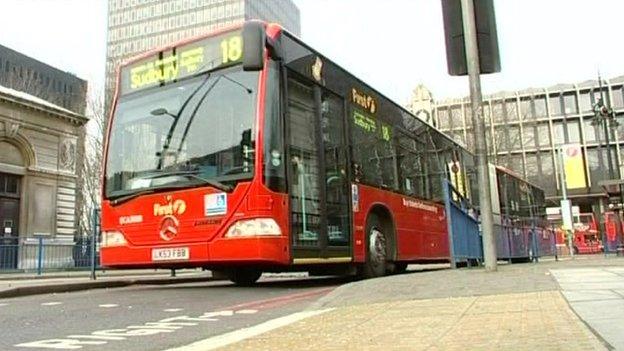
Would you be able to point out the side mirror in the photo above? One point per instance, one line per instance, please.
(254, 40)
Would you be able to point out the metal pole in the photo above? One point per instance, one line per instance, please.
(94, 226)
(564, 194)
(40, 257)
(485, 199)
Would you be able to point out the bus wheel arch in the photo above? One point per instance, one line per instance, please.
(379, 232)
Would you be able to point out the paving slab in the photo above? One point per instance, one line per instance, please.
(599, 303)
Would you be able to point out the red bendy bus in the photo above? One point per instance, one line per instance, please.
(246, 151)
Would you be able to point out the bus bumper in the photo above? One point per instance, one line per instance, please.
(239, 251)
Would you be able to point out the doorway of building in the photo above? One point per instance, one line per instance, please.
(9, 220)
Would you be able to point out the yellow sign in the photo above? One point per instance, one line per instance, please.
(364, 100)
(171, 207)
(183, 61)
(574, 166)
(364, 122)
(166, 69)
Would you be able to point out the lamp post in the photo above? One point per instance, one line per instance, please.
(605, 117)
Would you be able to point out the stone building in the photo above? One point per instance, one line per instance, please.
(38, 175)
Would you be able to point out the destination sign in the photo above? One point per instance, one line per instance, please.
(183, 61)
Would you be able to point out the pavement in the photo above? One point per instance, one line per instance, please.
(565, 305)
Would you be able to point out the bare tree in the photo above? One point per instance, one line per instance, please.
(89, 184)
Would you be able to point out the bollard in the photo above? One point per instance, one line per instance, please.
(40, 257)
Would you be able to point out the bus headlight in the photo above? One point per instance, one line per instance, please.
(113, 238)
(254, 227)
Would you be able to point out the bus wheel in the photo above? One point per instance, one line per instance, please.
(375, 265)
(244, 277)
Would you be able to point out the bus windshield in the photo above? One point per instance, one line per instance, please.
(199, 129)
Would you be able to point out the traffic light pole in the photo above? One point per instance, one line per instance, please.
(485, 199)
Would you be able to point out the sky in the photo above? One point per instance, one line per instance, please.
(392, 44)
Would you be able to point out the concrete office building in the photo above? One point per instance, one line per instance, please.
(526, 128)
(135, 26)
(25, 74)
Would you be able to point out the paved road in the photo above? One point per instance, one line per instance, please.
(150, 317)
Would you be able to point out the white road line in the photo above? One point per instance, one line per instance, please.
(246, 333)
(173, 309)
(108, 305)
(51, 303)
(246, 311)
(3, 304)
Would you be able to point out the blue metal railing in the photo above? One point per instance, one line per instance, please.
(42, 254)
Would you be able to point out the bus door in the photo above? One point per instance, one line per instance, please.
(318, 184)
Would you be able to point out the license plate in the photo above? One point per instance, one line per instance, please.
(170, 254)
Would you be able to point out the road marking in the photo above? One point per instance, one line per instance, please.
(108, 305)
(172, 324)
(281, 300)
(247, 311)
(246, 333)
(3, 304)
(51, 303)
(173, 309)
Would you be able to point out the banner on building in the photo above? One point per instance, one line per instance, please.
(574, 166)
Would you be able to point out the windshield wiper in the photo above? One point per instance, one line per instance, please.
(199, 104)
(161, 157)
(193, 174)
(117, 200)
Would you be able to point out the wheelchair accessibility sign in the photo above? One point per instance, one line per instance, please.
(215, 204)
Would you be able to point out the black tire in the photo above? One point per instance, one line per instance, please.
(244, 277)
(376, 249)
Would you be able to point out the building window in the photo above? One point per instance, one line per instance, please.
(590, 130)
(528, 136)
(540, 107)
(443, 118)
(618, 99)
(515, 164)
(455, 118)
(511, 110)
(543, 135)
(547, 175)
(468, 115)
(532, 173)
(574, 132)
(555, 105)
(559, 133)
(585, 101)
(497, 112)
(569, 104)
(514, 138)
(597, 162)
(500, 139)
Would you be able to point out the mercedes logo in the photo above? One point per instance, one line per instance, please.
(169, 228)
